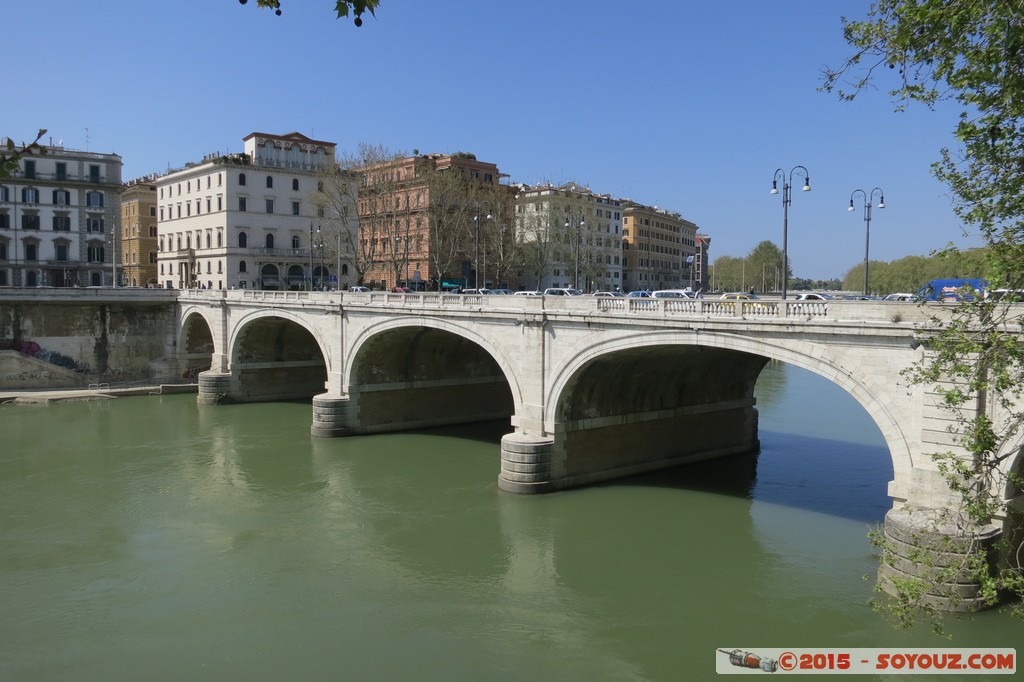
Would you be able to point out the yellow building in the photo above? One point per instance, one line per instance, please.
(138, 233)
(659, 249)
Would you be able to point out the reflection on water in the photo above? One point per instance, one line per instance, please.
(152, 539)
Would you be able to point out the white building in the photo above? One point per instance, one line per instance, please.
(248, 220)
(58, 217)
(572, 237)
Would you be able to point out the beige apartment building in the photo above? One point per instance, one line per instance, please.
(248, 220)
(659, 247)
(571, 237)
(139, 245)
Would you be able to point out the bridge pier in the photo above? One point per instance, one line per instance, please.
(595, 450)
(926, 544)
(330, 416)
(215, 387)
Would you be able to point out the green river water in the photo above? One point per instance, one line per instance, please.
(153, 539)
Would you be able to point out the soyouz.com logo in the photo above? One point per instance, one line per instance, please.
(867, 661)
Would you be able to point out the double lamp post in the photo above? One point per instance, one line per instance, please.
(787, 185)
(869, 199)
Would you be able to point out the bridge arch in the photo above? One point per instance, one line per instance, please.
(277, 355)
(196, 341)
(699, 355)
(413, 372)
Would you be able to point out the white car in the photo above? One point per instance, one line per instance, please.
(902, 297)
(556, 291)
(360, 290)
(527, 293)
(673, 293)
(814, 297)
(609, 294)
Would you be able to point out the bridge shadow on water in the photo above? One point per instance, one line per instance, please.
(836, 478)
(833, 477)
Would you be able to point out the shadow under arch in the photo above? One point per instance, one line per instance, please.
(679, 368)
(195, 343)
(274, 356)
(403, 375)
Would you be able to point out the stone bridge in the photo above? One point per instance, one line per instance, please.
(595, 388)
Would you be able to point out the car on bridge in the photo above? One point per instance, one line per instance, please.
(360, 290)
(609, 294)
(640, 293)
(673, 293)
(562, 291)
(527, 293)
(814, 297)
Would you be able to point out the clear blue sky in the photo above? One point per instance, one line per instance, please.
(688, 106)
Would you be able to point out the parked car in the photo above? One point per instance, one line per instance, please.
(814, 297)
(360, 290)
(640, 293)
(527, 293)
(609, 294)
(561, 291)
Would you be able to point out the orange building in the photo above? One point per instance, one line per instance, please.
(423, 220)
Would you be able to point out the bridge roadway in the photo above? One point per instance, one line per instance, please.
(595, 388)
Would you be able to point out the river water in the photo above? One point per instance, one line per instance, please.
(153, 539)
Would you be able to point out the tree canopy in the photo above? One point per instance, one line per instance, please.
(969, 53)
(343, 7)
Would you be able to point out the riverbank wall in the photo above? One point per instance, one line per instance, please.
(73, 338)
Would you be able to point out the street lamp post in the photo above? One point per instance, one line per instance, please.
(476, 257)
(579, 228)
(320, 245)
(869, 198)
(309, 282)
(786, 198)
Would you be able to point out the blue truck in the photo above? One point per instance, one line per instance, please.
(953, 290)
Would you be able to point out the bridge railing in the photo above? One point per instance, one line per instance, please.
(708, 308)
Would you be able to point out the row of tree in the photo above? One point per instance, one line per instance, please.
(762, 269)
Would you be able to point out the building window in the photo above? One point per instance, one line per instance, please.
(220, 205)
(3, 250)
(295, 184)
(5, 221)
(61, 197)
(94, 224)
(241, 178)
(295, 208)
(30, 222)
(29, 195)
(30, 169)
(94, 199)
(61, 251)
(269, 241)
(241, 266)
(4, 194)
(31, 252)
(95, 253)
(62, 170)
(152, 231)
(152, 257)
(270, 182)
(61, 223)
(241, 203)
(270, 205)
(243, 240)
(94, 173)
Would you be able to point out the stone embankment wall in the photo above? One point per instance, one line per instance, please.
(68, 338)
